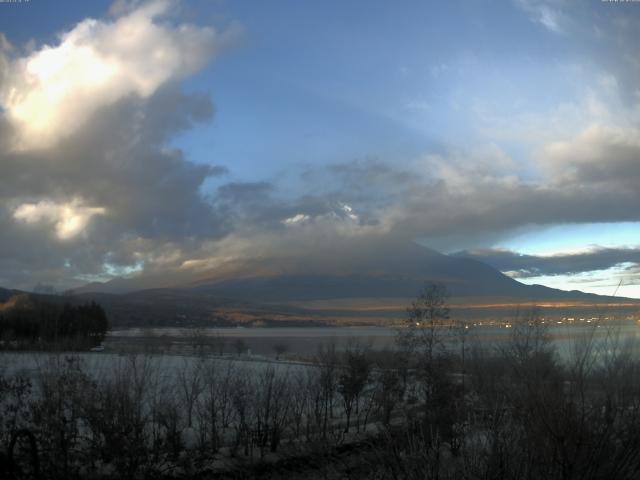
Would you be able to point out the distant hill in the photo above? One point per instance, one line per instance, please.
(120, 285)
(6, 294)
(179, 307)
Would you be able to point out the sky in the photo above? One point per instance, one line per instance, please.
(169, 140)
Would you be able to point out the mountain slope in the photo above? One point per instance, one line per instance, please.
(400, 276)
(369, 288)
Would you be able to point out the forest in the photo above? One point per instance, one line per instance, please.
(28, 322)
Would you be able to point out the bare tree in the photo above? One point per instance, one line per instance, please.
(118, 416)
(390, 386)
(197, 339)
(423, 341)
(425, 317)
(219, 342)
(58, 412)
(240, 346)
(241, 399)
(353, 379)
(190, 382)
(299, 401)
(271, 408)
(280, 349)
(327, 360)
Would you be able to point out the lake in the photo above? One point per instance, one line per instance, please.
(305, 341)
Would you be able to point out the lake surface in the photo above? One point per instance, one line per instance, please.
(176, 348)
(306, 340)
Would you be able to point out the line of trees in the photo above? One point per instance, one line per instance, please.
(28, 321)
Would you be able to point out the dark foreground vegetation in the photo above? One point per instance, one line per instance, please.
(439, 406)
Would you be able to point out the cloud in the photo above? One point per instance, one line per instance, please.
(51, 92)
(90, 184)
(452, 199)
(598, 155)
(92, 188)
(606, 31)
(463, 198)
(523, 266)
(297, 218)
(548, 13)
(69, 219)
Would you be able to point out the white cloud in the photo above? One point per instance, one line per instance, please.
(50, 93)
(300, 217)
(547, 13)
(348, 211)
(342, 216)
(68, 219)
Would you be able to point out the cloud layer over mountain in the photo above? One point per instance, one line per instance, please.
(523, 266)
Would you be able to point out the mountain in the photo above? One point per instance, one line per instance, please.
(351, 289)
(399, 275)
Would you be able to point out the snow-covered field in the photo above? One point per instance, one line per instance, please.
(103, 365)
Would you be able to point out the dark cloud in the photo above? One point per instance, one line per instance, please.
(96, 187)
(463, 203)
(354, 205)
(125, 167)
(523, 266)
